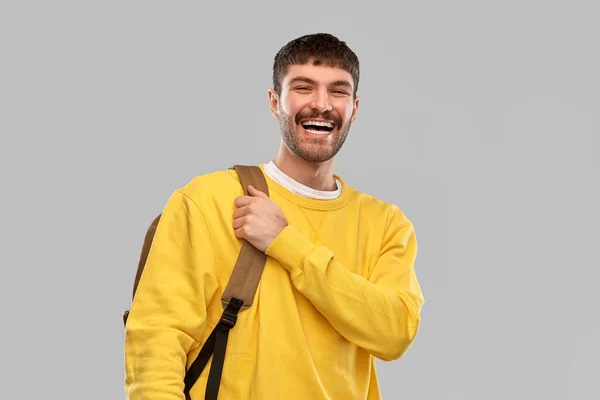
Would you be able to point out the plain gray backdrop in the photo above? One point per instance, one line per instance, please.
(479, 119)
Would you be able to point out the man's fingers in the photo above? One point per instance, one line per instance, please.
(242, 201)
(241, 211)
(239, 233)
(238, 222)
(255, 192)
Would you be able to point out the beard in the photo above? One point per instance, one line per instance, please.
(312, 149)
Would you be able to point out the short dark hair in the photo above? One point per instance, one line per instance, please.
(323, 48)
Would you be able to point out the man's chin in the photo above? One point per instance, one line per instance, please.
(313, 155)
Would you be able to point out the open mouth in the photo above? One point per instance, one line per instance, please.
(318, 127)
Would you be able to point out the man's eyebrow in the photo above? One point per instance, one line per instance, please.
(342, 83)
(301, 79)
(310, 81)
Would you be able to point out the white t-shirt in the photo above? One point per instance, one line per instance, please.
(296, 187)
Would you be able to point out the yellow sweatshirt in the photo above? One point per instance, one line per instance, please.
(339, 289)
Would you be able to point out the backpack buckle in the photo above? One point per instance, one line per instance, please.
(229, 317)
(228, 320)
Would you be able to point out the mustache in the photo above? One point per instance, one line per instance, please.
(316, 114)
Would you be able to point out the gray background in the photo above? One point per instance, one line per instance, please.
(479, 119)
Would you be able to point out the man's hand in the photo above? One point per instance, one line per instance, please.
(257, 219)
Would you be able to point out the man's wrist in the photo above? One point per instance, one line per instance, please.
(290, 248)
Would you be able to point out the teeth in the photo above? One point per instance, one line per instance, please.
(319, 123)
(316, 132)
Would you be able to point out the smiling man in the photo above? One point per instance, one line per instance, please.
(338, 289)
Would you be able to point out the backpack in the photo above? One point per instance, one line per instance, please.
(238, 294)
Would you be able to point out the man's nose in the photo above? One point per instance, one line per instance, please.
(321, 101)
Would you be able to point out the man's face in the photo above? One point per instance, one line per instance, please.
(315, 110)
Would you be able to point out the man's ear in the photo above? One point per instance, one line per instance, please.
(354, 110)
(274, 103)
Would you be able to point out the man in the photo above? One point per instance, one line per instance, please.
(338, 289)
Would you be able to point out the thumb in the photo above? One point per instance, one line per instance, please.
(255, 192)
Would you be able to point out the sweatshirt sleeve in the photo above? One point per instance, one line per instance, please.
(381, 312)
(168, 313)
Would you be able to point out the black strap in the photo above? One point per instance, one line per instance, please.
(215, 346)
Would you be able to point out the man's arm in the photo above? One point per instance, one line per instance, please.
(380, 314)
(168, 314)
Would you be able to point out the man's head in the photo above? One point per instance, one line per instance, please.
(314, 95)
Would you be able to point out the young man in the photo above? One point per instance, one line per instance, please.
(338, 289)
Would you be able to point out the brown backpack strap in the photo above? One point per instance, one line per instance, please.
(145, 250)
(251, 261)
(143, 257)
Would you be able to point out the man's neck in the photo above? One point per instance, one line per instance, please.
(318, 176)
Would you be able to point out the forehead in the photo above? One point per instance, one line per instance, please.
(321, 74)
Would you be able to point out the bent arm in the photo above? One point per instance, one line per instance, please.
(168, 313)
(380, 313)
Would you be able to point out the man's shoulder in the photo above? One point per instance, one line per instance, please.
(213, 180)
(379, 208)
(213, 185)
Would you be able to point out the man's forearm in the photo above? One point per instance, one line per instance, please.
(382, 317)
